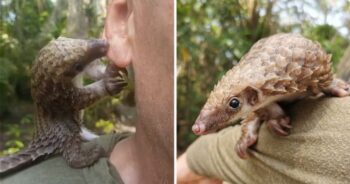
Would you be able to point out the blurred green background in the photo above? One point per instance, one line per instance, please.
(213, 35)
(25, 27)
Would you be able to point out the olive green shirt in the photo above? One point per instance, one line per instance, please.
(317, 151)
(56, 171)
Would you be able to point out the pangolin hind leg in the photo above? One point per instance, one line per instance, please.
(79, 155)
(276, 120)
(250, 128)
(337, 88)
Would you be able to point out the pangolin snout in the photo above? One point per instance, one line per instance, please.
(97, 48)
(200, 125)
(198, 129)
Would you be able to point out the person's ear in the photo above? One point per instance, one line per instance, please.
(116, 32)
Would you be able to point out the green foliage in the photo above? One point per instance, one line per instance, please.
(20, 28)
(330, 40)
(20, 40)
(16, 134)
(105, 125)
(213, 35)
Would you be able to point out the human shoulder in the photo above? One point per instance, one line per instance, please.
(55, 170)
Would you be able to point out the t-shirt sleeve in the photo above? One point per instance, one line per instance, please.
(56, 171)
(316, 151)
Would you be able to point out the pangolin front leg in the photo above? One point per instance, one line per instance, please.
(250, 128)
(276, 120)
(95, 70)
(75, 153)
(91, 93)
(111, 76)
(108, 81)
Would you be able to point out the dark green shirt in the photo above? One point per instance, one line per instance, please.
(56, 171)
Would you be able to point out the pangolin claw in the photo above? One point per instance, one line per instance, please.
(280, 126)
(244, 143)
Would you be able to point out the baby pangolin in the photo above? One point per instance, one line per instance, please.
(282, 67)
(60, 97)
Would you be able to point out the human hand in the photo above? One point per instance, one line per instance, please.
(185, 175)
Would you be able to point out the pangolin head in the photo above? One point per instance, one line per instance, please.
(230, 100)
(64, 58)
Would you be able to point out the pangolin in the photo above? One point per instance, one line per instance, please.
(280, 68)
(59, 98)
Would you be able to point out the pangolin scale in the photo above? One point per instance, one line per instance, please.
(282, 67)
(60, 97)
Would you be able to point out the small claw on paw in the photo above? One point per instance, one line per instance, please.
(340, 92)
(241, 150)
(339, 88)
(114, 85)
(342, 84)
(277, 126)
(244, 143)
(285, 123)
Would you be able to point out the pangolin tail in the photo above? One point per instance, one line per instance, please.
(24, 157)
(44, 143)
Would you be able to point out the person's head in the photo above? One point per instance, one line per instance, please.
(140, 32)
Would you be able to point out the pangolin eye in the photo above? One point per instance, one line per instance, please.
(234, 103)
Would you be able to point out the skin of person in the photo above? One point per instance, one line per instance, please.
(141, 33)
(186, 175)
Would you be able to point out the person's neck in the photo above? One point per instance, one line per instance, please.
(145, 157)
(156, 154)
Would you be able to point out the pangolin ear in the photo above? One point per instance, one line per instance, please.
(251, 95)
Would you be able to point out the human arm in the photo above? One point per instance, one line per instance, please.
(316, 151)
(186, 176)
